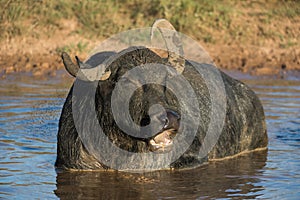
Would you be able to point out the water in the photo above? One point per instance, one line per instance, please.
(29, 114)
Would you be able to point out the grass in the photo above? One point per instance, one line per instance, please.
(80, 47)
(208, 20)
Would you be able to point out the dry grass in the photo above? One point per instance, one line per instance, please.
(210, 21)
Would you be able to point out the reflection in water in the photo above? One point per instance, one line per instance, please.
(235, 177)
(29, 113)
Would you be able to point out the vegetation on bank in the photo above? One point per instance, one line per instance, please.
(212, 21)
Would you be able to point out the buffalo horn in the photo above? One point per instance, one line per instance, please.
(69, 65)
(173, 43)
(84, 71)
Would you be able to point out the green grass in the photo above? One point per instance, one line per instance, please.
(80, 47)
(200, 19)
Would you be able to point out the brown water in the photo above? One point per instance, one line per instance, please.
(29, 114)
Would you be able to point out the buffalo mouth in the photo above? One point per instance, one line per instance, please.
(163, 141)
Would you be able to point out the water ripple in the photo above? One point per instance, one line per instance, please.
(29, 114)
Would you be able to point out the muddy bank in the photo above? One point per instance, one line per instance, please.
(256, 37)
(256, 60)
(253, 60)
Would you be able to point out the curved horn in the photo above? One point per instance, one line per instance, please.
(173, 43)
(69, 65)
(84, 71)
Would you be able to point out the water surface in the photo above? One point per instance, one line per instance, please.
(29, 114)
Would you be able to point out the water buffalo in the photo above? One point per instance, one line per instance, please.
(244, 122)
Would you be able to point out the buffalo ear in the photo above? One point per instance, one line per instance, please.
(69, 65)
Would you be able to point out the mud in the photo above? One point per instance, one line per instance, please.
(41, 56)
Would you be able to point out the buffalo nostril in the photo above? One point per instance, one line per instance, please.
(173, 114)
(172, 120)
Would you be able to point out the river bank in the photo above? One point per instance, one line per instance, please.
(257, 38)
(46, 61)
